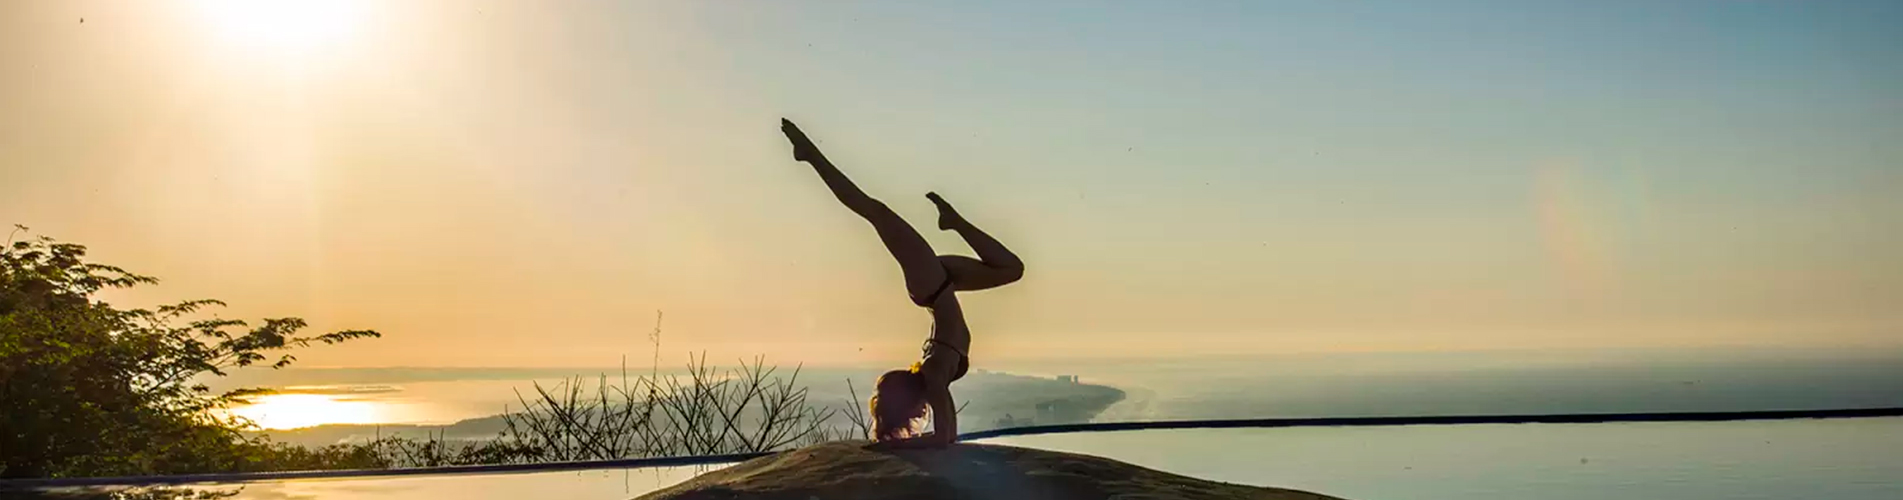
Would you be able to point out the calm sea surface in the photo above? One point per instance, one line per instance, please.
(1850, 459)
(1817, 459)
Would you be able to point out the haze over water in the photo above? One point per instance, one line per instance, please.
(1292, 385)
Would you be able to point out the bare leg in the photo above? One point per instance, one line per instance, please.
(924, 275)
(995, 266)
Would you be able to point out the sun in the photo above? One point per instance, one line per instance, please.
(283, 26)
(292, 411)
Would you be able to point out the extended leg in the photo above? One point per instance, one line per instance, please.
(924, 275)
(995, 266)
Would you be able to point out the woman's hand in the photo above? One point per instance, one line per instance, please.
(803, 148)
(930, 440)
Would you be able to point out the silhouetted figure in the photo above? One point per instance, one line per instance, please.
(900, 397)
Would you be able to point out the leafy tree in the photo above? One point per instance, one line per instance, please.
(87, 388)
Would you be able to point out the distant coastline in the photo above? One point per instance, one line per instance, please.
(1332, 385)
(990, 400)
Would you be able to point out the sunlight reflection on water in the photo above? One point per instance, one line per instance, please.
(291, 411)
(307, 406)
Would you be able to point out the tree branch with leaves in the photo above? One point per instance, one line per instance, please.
(93, 389)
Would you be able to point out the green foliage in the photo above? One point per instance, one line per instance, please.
(92, 389)
(89, 389)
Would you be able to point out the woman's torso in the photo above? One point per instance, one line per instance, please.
(948, 349)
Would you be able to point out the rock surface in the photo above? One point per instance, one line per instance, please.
(847, 471)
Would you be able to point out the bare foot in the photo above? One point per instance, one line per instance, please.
(803, 148)
(948, 217)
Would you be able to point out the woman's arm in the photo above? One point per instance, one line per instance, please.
(944, 423)
(944, 414)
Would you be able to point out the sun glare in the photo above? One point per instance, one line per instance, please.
(291, 411)
(283, 26)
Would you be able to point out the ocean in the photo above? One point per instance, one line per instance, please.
(1291, 385)
(1825, 459)
(1849, 459)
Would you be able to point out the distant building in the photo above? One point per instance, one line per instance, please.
(1067, 378)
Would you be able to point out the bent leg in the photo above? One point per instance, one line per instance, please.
(995, 266)
(925, 277)
(969, 274)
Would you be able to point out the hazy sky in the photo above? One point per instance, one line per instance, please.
(525, 183)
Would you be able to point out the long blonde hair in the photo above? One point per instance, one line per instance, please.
(898, 404)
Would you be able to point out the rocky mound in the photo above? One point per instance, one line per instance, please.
(847, 471)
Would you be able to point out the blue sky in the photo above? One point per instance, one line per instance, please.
(1182, 177)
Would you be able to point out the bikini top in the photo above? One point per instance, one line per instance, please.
(964, 362)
